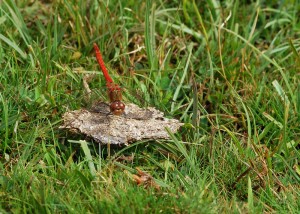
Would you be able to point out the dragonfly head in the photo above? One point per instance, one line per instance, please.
(117, 107)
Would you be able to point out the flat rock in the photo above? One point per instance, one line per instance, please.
(135, 124)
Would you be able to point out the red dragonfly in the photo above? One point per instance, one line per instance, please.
(114, 91)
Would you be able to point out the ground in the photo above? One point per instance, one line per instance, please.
(228, 70)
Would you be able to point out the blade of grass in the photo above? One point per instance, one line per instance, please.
(5, 121)
(235, 140)
(13, 45)
(183, 28)
(292, 171)
(295, 52)
(183, 150)
(286, 101)
(281, 92)
(250, 197)
(88, 157)
(175, 96)
(203, 30)
(18, 21)
(150, 34)
(195, 105)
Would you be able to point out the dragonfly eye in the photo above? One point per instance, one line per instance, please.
(117, 107)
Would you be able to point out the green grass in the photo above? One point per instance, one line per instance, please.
(229, 71)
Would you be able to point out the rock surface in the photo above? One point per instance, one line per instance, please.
(136, 124)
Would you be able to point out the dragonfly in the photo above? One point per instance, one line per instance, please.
(114, 91)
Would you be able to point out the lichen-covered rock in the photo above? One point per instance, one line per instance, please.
(136, 124)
